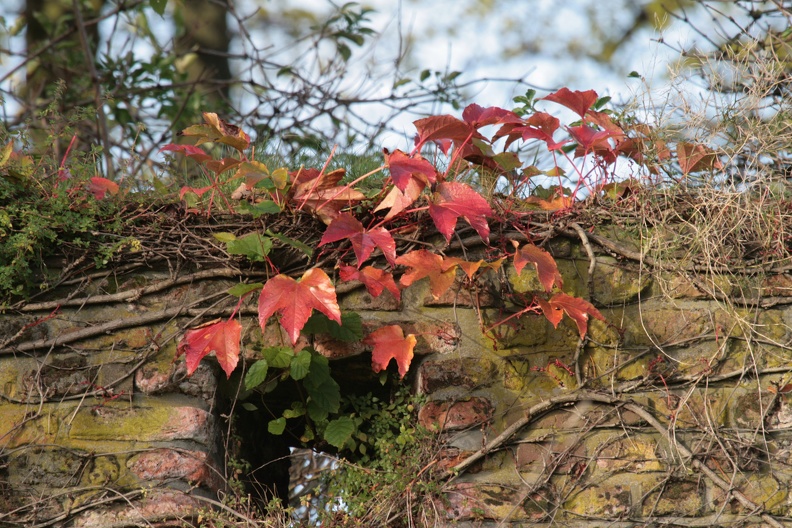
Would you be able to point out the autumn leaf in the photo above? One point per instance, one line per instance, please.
(398, 201)
(389, 343)
(191, 151)
(220, 337)
(555, 204)
(319, 192)
(441, 127)
(697, 157)
(477, 116)
(575, 307)
(454, 199)
(374, 279)
(100, 186)
(363, 241)
(545, 265)
(403, 169)
(577, 101)
(426, 264)
(539, 125)
(218, 131)
(295, 300)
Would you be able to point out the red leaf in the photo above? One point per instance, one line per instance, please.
(191, 151)
(578, 102)
(575, 307)
(374, 279)
(697, 157)
(403, 169)
(539, 126)
(477, 117)
(295, 300)
(426, 264)
(590, 139)
(363, 242)
(441, 127)
(389, 343)
(220, 337)
(453, 200)
(199, 191)
(398, 201)
(319, 192)
(100, 186)
(545, 265)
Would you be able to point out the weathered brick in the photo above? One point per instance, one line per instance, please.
(155, 506)
(456, 414)
(466, 373)
(166, 464)
(480, 294)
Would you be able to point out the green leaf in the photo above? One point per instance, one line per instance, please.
(277, 426)
(425, 75)
(350, 329)
(344, 51)
(159, 6)
(256, 375)
(278, 357)
(602, 101)
(292, 242)
(301, 364)
(634, 74)
(297, 409)
(252, 245)
(224, 237)
(324, 392)
(249, 407)
(261, 208)
(339, 431)
(240, 290)
(508, 161)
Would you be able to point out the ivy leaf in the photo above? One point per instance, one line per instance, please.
(398, 200)
(295, 300)
(278, 357)
(100, 186)
(575, 307)
(441, 127)
(253, 245)
(374, 279)
(427, 264)
(577, 101)
(339, 431)
(696, 157)
(319, 192)
(389, 343)
(350, 329)
(404, 168)
(220, 337)
(256, 374)
(346, 226)
(218, 131)
(454, 199)
(545, 265)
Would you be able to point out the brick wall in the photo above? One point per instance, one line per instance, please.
(669, 412)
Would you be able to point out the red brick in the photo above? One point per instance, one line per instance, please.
(166, 464)
(457, 414)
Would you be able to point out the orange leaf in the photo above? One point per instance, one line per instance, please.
(398, 200)
(697, 157)
(100, 186)
(374, 279)
(220, 337)
(427, 264)
(557, 203)
(346, 226)
(575, 307)
(295, 300)
(319, 192)
(454, 199)
(389, 343)
(545, 265)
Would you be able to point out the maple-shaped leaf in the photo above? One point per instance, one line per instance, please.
(454, 199)
(403, 168)
(389, 342)
(199, 191)
(470, 267)
(427, 264)
(398, 201)
(442, 127)
(477, 116)
(219, 131)
(696, 157)
(319, 192)
(100, 186)
(374, 279)
(346, 226)
(539, 125)
(545, 265)
(575, 307)
(220, 337)
(590, 139)
(191, 151)
(578, 102)
(296, 299)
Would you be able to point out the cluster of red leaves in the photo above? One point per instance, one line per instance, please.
(448, 200)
